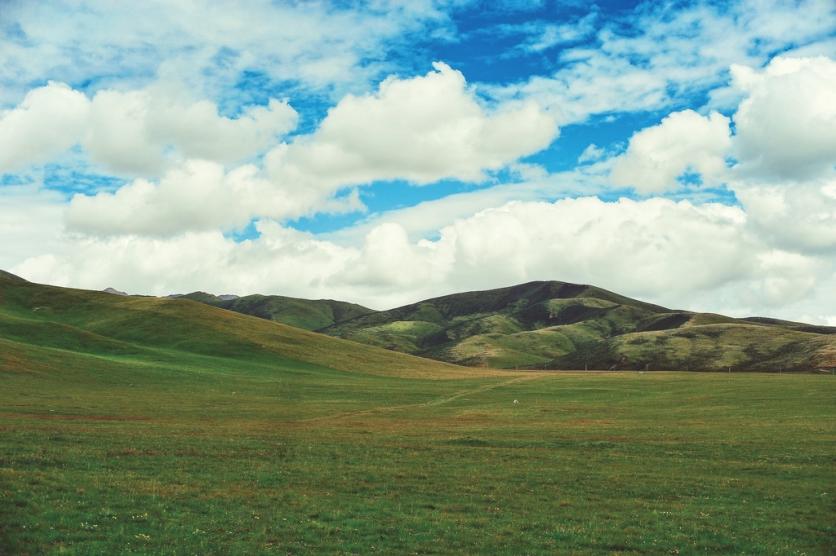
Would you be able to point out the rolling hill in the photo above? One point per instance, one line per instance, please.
(301, 313)
(539, 325)
(44, 326)
(557, 325)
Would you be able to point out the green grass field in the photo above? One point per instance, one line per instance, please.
(140, 425)
(124, 458)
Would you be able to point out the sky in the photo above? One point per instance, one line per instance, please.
(384, 152)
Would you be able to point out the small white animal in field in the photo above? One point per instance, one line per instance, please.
(516, 402)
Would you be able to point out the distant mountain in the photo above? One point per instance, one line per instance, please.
(302, 313)
(557, 325)
(114, 291)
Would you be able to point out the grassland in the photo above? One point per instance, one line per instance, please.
(152, 330)
(131, 426)
(213, 459)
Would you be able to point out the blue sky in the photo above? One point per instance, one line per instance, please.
(360, 149)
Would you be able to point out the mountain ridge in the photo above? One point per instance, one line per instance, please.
(549, 325)
(560, 325)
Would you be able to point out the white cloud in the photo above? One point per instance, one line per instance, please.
(784, 143)
(200, 195)
(135, 132)
(546, 36)
(594, 85)
(656, 156)
(667, 54)
(390, 261)
(204, 44)
(421, 129)
(786, 125)
(117, 136)
(30, 223)
(705, 257)
(787, 277)
(47, 122)
(591, 153)
(638, 247)
(796, 216)
(425, 219)
(131, 132)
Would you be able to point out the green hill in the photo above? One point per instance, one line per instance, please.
(39, 324)
(542, 325)
(301, 313)
(556, 325)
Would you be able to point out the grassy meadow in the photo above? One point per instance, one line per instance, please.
(149, 426)
(124, 458)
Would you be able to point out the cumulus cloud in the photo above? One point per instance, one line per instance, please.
(200, 195)
(131, 132)
(656, 156)
(48, 121)
(656, 249)
(389, 260)
(702, 257)
(421, 129)
(787, 277)
(134, 132)
(795, 216)
(786, 125)
(641, 247)
(784, 148)
(30, 222)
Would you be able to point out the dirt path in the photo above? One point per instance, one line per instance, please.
(462, 393)
(430, 403)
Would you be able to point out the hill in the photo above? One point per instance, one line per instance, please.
(301, 313)
(44, 324)
(542, 325)
(557, 325)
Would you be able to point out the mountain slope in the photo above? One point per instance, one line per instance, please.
(547, 325)
(572, 326)
(301, 313)
(39, 323)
